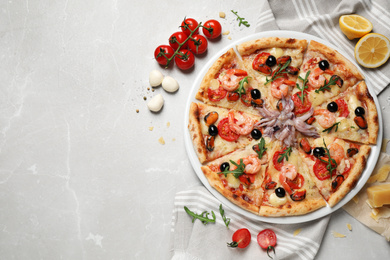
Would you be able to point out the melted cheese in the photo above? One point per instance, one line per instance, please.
(277, 52)
(276, 201)
(233, 181)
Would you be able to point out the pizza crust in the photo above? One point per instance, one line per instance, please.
(196, 133)
(250, 47)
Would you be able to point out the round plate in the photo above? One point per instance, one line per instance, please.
(372, 160)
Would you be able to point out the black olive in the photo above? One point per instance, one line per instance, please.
(213, 130)
(333, 107)
(255, 94)
(324, 64)
(280, 192)
(359, 111)
(319, 151)
(224, 166)
(256, 134)
(271, 61)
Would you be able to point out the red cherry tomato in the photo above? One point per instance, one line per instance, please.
(198, 44)
(241, 238)
(212, 29)
(163, 53)
(297, 183)
(224, 131)
(188, 25)
(277, 165)
(185, 59)
(267, 240)
(178, 38)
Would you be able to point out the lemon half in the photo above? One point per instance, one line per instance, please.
(354, 26)
(372, 50)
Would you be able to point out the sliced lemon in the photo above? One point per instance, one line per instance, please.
(354, 26)
(372, 50)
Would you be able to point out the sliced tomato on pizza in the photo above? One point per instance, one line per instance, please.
(288, 186)
(217, 131)
(334, 164)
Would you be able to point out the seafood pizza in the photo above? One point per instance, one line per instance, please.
(283, 126)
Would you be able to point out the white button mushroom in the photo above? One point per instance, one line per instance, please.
(156, 103)
(170, 84)
(155, 78)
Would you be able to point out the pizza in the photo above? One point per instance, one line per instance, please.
(282, 126)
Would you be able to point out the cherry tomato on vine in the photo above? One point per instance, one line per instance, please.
(267, 240)
(212, 29)
(197, 44)
(185, 59)
(178, 38)
(163, 53)
(241, 238)
(189, 24)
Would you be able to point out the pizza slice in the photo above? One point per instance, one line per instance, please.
(217, 131)
(275, 63)
(288, 186)
(239, 175)
(352, 116)
(324, 73)
(335, 165)
(228, 84)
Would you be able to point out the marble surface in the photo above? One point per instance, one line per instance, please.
(82, 173)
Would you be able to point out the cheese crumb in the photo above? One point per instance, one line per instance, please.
(229, 38)
(226, 33)
(384, 144)
(337, 234)
(222, 14)
(161, 140)
(168, 124)
(151, 128)
(356, 199)
(349, 226)
(296, 232)
(380, 213)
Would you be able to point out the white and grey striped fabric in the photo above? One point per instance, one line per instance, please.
(321, 18)
(198, 241)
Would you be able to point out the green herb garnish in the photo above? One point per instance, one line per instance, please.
(332, 81)
(304, 87)
(286, 153)
(260, 150)
(241, 20)
(204, 217)
(225, 219)
(236, 172)
(241, 90)
(332, 165)
(278, 73)
(330, 128)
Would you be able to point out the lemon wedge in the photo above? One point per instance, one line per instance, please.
(354, 26)
(372, 50)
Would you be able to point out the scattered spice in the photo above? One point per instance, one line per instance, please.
(145, 98)
(137, 110)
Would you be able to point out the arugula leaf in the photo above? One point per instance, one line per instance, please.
(332, 81)
(241, 90)
(241, 20)
(236, 172)
(332, 165)
(304, 87)
(225, 220)
(260, 150)
(280, 70)
(204, 216)
(330, 128)
(286, 153)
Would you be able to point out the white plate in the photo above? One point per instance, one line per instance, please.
(372, 160)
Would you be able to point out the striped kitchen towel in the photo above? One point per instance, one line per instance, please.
(321, 18)
(194, 240)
